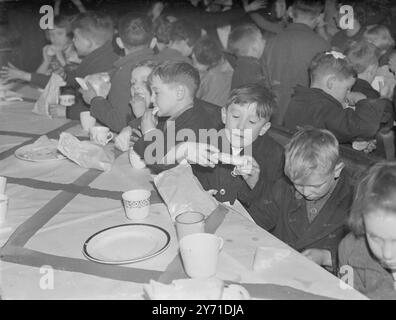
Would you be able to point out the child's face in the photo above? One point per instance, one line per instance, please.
(164, 96)
(381, 237)
(339, 88)
(243, 125)
(139, 83)
(58, 37)
(315, 186)
(81, 43)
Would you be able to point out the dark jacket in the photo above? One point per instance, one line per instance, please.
(314, 107)
(269, 156)
(247, 70)
(280, 212)
(100, 60)
(289, 55)
(369, 277)
(195, 118)
(115, 111)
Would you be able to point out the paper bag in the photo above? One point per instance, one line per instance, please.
(50, 95)
(85, 153)
(182, 191)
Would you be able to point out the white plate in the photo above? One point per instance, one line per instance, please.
(126, 243)
(31, 152)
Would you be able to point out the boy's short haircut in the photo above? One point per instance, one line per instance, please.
(375, 191)
(135, 30)
(242, 38)
(380, 36)
(254, 93)
(311, 150)
(362, 54)
(181, 73)
(308, 8)
(95, 25)
(324, 64)
(161, 28)
(184, 30)
(208, 52)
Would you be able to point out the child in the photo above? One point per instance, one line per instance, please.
(173, 86)
(140, 101)
(58, 57)
(308, 210)
(93, 33)
(246, 45)
(215, 72)
(290, 52)
(370, 249)
(182, 38)
(381, 37)
(247, 112)
(135, 35)
(161, 27)
(321, 105)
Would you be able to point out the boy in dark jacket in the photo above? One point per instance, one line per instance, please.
(322, 105)
(290, 52)
(247, 112)
(308, 209)
(173, 86)
(93, 33)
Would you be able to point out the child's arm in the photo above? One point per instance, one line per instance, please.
(320, 256)
(11, 72)
(265, 24)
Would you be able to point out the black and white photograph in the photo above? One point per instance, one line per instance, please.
(221, 151)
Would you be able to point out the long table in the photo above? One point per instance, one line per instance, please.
(55, 206)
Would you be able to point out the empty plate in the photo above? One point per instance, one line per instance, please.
(126, 243)
(34, 153)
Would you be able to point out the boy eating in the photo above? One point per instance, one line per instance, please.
(308, 209)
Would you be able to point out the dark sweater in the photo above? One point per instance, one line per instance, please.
(314, 107)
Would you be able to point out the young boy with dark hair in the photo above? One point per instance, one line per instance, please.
(215, 72)
(173, 86)
(259, 158)
(308, 208)
(322, 105)
(246, 46)
(289, 53)
(134, 36)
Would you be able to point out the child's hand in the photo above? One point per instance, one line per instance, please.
(89, 94)
(149, 121)
(203, 154)
(122, 141)
(353, 98)
(48, 52)
(11, 72)
(249, 170)
(320, 256)
(57, 111)
(135, 136)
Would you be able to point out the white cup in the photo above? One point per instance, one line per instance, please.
(3, 207)
(3, 185)
(67, 100)
(136, 203)
(87, 121)
(189, 222)
(200, 252)
(101, 135)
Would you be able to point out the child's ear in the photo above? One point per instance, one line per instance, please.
(338, 168)
(265, 128)
(180, 92)
(224, 114)
(120, 43)
(330, 82)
